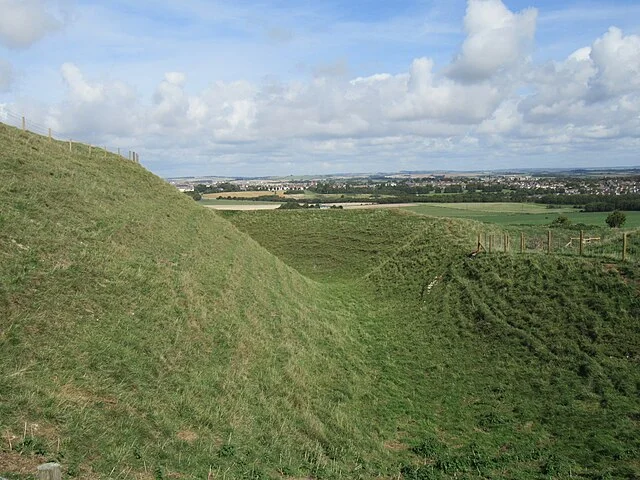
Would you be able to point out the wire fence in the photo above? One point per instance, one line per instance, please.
(14, 119)
(612, 244)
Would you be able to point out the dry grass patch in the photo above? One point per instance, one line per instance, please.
(188, 436)
(250, 194)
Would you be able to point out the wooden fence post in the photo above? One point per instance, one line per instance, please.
(70, 146)
(506, 242)
(624, 246)
(50, 136)
(24, 124)
(549, 241)
(49, 471)
(522, 244)
(490, 243)
(581, 242)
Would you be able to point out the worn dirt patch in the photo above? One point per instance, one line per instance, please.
(395, 446)
(79, 396)
(12, 462)
(188, 436)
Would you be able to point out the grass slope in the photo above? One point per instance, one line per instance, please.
(142, 335)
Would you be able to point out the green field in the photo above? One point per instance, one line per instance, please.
(144, 337)
(516, 213)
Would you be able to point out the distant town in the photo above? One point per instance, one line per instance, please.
(570, 182)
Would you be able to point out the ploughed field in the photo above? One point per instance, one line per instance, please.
(143, 336)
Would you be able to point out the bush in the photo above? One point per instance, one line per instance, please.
(616, 219)
(561, 221)
(290, 206)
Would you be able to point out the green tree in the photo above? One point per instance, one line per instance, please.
(195, 195)
(616, 219)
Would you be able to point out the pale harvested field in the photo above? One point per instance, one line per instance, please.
(243, 207)
(252, 194)
(351, 206)
(346, 206)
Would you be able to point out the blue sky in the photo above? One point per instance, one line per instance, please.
(291, 87)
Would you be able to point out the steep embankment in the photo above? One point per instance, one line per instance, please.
(143, 335)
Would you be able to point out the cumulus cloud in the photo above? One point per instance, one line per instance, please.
(79, 89)
(430, 96)
(616, 58)
(496, 39)
(24, 22)
(170, 100)
(97, 109)
(593, 93)
(490, 101)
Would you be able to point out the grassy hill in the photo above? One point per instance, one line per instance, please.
(143, 336)
(141, 332)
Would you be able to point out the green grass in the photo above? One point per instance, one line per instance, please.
(509, 366)
(517, 214)
(142, 336)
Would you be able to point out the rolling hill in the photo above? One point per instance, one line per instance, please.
(142, 336)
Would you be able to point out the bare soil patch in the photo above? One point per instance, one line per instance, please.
(12, 462)
(188, 436)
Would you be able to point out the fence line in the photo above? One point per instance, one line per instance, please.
(616, 245)
(23, 123)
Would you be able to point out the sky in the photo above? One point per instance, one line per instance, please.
(291, 87)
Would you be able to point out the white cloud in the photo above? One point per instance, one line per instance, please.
(171, 103)
(97, 110)
(24, 22)
(617, 60)
(79, 89)
(491, 101)
(496, 39)
(435, 97)
(595, 91)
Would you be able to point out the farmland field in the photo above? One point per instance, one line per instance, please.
(229, 204)
(250, 194)
(516, 213)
